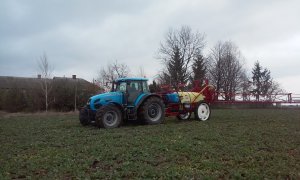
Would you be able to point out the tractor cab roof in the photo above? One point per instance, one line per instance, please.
(130, 79)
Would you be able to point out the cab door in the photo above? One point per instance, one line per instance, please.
(134, 90)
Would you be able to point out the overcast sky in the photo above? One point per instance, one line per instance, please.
(80, 37)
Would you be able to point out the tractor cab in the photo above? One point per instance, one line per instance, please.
(133, 89)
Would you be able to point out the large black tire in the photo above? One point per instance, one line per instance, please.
(185, 116)
(84, 117)
(153, 111)
(109, 116)
(202, 112)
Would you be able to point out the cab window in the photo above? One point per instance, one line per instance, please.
(134, 86)
(145, 87)
(121, 87)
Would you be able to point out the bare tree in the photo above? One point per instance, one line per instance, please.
(245, 86)
(226, 69)
(45, 71)
(112, 72)
(215, 66)
(164, 77)
(177, 52)
(274, 90)
(141, 72)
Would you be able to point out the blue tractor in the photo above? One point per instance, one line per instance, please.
(129, 99)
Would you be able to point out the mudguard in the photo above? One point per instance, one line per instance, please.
(142, 99)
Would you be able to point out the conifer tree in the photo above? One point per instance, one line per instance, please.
(198, 69)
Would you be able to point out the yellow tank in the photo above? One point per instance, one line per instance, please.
(190, 97)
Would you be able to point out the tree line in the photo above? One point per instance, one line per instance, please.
(184, 62)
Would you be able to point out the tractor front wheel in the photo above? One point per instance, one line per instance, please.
(109, 116)
(153, 111)
(202, 112)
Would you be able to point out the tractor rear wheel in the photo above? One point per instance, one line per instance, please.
(153, 111)
(109, 116)
(202, 112)
(184, 116)
(84, 117)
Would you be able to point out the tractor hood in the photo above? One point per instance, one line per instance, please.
(102, 99)
(106, 95)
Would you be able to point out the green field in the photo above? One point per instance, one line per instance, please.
(232, 144)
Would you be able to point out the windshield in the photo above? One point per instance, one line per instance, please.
(121, 87)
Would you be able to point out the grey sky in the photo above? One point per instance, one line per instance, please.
(80, 37)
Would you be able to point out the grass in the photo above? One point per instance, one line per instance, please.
(239, 144)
